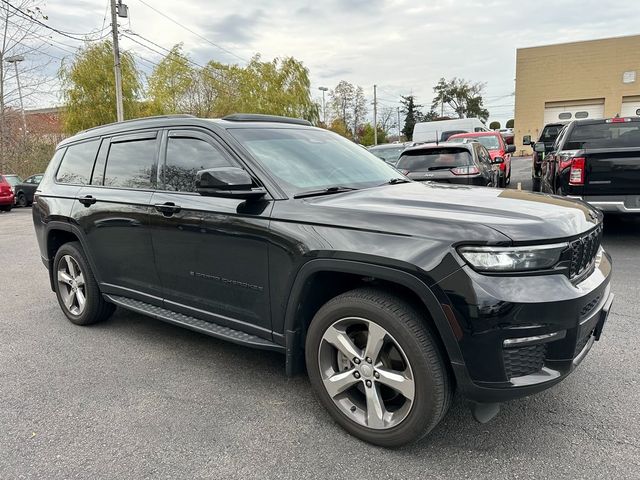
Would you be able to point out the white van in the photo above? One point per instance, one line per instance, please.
(441, 130)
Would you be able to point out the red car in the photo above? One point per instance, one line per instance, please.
(497, 147)
(6, 194)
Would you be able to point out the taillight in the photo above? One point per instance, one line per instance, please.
(618, 120)
(576, 175)
(468, 170)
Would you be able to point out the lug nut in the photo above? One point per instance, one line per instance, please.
(356, 361)
(368, 360)
(376, 374)
(356, 374)
(368, 383)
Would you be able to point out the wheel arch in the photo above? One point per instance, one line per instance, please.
(57, 234)
(408, 286)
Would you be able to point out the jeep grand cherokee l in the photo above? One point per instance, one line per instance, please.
(270, 233)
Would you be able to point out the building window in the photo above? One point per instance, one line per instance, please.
(582, 114)
(564, 116)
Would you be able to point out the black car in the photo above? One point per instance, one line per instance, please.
(548, 136)
(466, 163)
(597, 161)
(270, 233)
(389, 152)
(24, 190)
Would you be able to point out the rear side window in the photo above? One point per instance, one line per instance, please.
(434, 159)
(604, 135)
(131, 161)
(77, 163)
(550, 133)
(186, 155)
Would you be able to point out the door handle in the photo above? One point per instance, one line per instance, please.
(87, 200)
(167, 208)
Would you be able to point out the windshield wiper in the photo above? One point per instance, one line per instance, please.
(324, 191)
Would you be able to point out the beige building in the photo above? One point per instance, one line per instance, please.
(591, 79)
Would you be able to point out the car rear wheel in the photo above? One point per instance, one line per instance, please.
(76, 288)
(22, 200)
(376, 367)
(6, 208)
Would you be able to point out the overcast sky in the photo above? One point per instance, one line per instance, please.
(403, 46)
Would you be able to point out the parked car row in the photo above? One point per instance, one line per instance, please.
(597, 161)
(15, 191)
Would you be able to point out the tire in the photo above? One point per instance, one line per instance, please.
(6, 208)
(22, 200)
(536, 185)
(409, 349)
(502, 181)
(508, 182)
(79, 283)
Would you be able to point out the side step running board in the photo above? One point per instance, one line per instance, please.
(202, 326)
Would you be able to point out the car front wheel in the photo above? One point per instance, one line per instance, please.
(22, 200)
(377, 368)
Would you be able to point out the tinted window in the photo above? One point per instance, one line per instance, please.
(77, 163)
(550, 133)
(185, 156)
(131, 163)
(604, 135)
(434, 159)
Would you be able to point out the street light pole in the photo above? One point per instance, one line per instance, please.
(15, 59)
(324, 108)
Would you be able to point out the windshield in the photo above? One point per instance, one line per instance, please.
(605, 135)
(12, 179)
(306, 159)
(388, 154)
(433, 159)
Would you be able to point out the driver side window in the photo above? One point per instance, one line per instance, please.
(187, 153)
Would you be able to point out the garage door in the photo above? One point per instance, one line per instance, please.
(574, 110)
(630, 107)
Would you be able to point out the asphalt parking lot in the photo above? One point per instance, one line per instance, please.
(136, 398)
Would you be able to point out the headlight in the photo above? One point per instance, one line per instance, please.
(512, 259)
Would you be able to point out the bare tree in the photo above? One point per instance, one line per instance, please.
(22, 39)
(387, 119)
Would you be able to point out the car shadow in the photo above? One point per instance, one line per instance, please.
(261, 370)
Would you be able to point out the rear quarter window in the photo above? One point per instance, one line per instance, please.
(77, 163)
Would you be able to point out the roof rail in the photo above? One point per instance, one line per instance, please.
(153, 117)
(258, 117)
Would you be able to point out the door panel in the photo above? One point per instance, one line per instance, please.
(211, 253)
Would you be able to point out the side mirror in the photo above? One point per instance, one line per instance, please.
(526, 140)
(539, 147)
(497, 161)
(227, 182)
(510, 149)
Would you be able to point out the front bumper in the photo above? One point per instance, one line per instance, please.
(523, 334)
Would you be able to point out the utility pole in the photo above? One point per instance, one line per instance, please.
(15, 59)
(115, 13)
(398, 124)
(375, 115)
(324, 108)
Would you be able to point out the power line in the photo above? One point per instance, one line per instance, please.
(60, 32)
(191, 31)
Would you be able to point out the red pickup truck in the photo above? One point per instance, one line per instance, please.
(493, 142)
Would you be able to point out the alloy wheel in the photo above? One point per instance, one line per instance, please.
(71, 285)
(366, 373)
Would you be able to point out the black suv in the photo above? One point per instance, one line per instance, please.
(271, 233)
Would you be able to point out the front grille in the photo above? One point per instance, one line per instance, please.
(519, 362)
(584, 251)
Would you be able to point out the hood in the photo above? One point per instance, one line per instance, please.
(520, 216)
